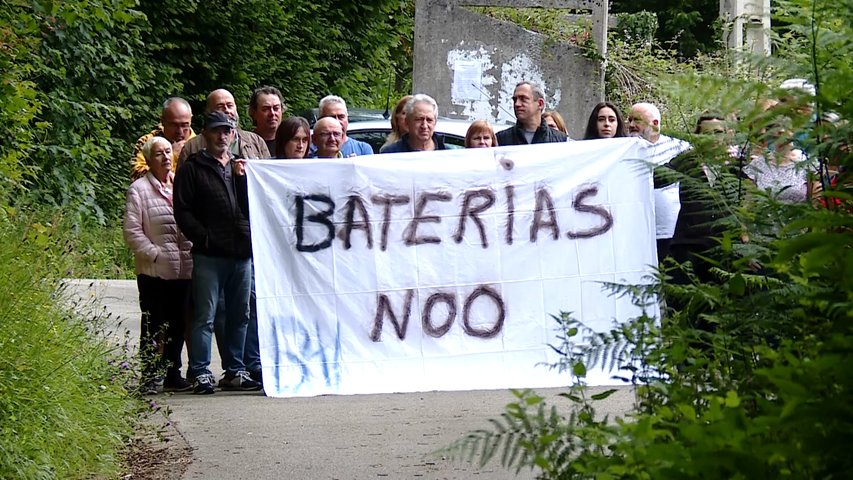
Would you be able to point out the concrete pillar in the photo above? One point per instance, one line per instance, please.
(470, 63)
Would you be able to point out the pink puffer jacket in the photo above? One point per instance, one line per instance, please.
(150, 231)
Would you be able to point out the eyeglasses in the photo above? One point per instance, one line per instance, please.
(337, 135)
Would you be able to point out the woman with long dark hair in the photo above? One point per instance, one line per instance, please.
(293, 138)
(605, 121)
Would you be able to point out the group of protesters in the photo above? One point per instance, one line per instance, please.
(188, 227)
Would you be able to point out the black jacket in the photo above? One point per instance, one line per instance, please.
(705, 209)
(402, 145)
(215, 221)
(544, 134)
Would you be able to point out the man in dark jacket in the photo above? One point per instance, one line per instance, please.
(212, 210)
(528, 101)
(421, 115)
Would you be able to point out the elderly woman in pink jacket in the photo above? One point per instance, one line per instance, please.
(163, 270)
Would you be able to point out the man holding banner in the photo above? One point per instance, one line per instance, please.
(421, 114)
(528, 103)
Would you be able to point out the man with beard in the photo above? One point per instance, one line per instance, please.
(212, 210)
(644, 122)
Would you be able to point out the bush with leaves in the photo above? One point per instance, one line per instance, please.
(91, 88)
(690, 27)
(308, 49)
(81, 81)
(747, 374)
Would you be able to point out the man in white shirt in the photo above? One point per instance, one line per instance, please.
(644, 121)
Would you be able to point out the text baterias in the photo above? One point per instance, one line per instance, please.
(371, 218)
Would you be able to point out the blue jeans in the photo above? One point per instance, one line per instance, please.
(215, 277)
(252, 351)
(219, 328)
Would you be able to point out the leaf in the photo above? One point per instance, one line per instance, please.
(732, 399)
(737, 285)
(571, 397)
(687, 410)
(579, 369)
(603, 395)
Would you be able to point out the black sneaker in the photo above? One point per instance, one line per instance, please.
(177, 384)
(257, 376)
(239, 381)
(203, 384)
(151, 387)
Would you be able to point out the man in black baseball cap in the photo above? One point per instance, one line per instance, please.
(218, 119)
(212, 210)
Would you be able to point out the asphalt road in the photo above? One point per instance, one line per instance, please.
(396, 436)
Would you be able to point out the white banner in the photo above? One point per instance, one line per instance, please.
(441, 270)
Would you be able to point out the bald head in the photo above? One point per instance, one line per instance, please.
(328, 137)
(644, 121)
(221, 100)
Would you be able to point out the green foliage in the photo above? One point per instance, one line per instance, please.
(81, 81)
(97, 252)
(308, 49)
(91, 84)
(747, 375)
(690, 26)
(638, 28)
(551, 22)
(65, 411)
(642, 71)
(19, 106)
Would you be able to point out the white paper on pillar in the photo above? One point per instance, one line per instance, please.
(441, 270)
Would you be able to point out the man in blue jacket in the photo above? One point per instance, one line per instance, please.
(421, 116)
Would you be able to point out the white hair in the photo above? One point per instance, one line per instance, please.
(330, 99)
(149, 145)
(653, 110)
(420, 98)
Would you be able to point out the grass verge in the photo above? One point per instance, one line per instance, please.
(65, 410)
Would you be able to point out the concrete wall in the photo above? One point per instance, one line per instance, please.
(470, 63)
